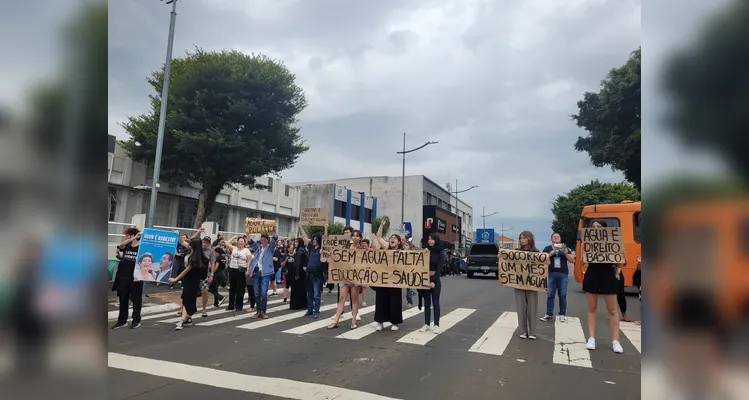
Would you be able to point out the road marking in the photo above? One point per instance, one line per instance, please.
(175, 319)
(446, 322)
(158, 308)
(278, 387)
(633, 332)
(240, 315)
(366, 330)
(498, 336)
(282, 318)
(313, 326)
(569, 343)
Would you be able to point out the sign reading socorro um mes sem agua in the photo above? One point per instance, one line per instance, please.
(380, 268)
(524, 270)
(602, 245)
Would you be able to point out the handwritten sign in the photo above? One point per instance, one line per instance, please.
(331, 242)
(381, 268)
(256, 225)
(314, 217)
(524, 270)
(603, 245)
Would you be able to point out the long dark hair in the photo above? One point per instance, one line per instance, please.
(400, 242)
(196, 253)
(318, 239)
(300, 244)
(437, 241)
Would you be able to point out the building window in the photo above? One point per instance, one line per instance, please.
(340, 209)
(286, 190)
(112, 203)
(367, 216)
(186, 212)
(270, 184)
(284, 227)
(355, 212)
(219, 215)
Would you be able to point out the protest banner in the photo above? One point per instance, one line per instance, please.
(155, 255)
(331, 242)
(524, 270)
(253, 226)
(380, 268)
(314, 217)
(602, 245)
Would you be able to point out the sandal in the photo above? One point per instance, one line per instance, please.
(354, 326)
(332, 326)
(205, 314)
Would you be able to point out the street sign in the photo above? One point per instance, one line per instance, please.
(485, 235)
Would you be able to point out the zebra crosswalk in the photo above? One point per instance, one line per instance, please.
(494, 335)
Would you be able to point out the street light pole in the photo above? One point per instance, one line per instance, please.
(403, 175)
(483, 216)
(457, 192)
(162, 115)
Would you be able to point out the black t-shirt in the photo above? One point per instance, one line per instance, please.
(221, 261)
(181, 252)
(563, 268)
(126, 267)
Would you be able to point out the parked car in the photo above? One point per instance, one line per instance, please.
(483, 259)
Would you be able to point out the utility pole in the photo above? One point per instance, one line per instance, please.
(403, 175)
(162, 116)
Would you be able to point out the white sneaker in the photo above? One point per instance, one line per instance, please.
(394, 328)
(591, 344)
(532, 337)
(546, 318)
(436, 329)
(617, 347)
(424, 328)
(358, 318)
(179, 326)
(562, 318)
(524, 336)
(378, 327)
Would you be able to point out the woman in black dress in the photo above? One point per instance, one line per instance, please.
(602, 279)
(195, 271)
(297, 276)
(388, 301)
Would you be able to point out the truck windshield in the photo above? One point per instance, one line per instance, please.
(484, 249)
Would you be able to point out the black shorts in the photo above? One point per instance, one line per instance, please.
(601, 279)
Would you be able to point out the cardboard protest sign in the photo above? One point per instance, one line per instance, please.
(380, 268)
(602, 245)
(331, 242)
(314, 217)
(524, 270)
(155, 255)
(254, 226)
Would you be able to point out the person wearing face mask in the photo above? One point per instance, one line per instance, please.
(432, 296)
(558, 277)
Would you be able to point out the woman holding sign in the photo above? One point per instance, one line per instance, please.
(195, 271)
(432, 296)
(388, 301)
(526, 301)
(602, 279)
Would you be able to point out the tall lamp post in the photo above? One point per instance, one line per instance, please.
(162, 115)
(456, 193)
(484, 215)
(403, 176)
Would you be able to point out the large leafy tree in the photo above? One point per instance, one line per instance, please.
(612, 119)
(707, 87)
(568, 207)
(231, 118)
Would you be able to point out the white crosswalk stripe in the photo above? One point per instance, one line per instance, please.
(368, 329)
(319, 324)
(495, 340)
(633, 332)
(446, 322)
(288, 317)
(240, 315)
(215, 311)
(569, 343)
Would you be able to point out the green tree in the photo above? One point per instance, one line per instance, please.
(336, 228)
(376, 224)
(612, 119)
(706, 84)
(568, 207)
(231, 118)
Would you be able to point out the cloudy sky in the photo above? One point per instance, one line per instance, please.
(494, 81)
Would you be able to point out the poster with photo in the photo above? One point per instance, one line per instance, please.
(155, 255)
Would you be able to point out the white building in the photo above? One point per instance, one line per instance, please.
(421, 193)
(129, 187)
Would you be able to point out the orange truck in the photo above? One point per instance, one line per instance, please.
(625, 215)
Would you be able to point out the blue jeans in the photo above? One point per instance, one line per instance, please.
(557, 282)
(313, 294)
(261, 291)
(409, 297)
(278, 276)
(432, 299)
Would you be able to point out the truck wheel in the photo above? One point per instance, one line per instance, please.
(470, 275)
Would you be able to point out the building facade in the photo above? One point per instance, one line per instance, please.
(420, 192)
(344, 205)
(129, 189)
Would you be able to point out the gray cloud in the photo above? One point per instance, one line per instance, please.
(493, 81)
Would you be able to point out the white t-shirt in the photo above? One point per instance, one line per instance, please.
(239, 258)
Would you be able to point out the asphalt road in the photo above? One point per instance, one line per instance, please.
(223, 361)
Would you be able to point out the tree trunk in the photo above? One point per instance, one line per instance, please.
(206, 200)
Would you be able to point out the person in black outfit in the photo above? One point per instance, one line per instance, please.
(124, 282)
(219, 277)
(432, 296)
(195, 271)
(179, 259)
(297, 277)
(388, 300)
